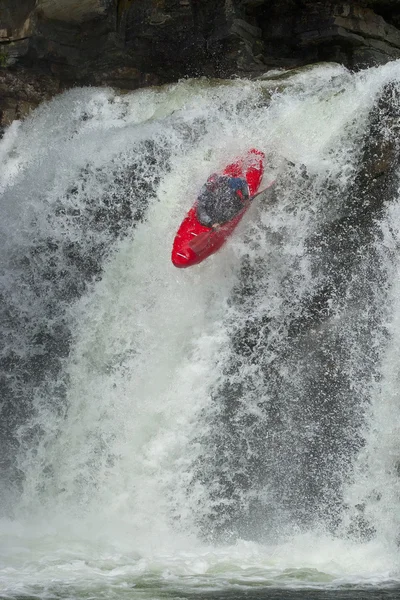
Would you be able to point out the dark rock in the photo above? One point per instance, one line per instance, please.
(76, 11)
(245, 31)
(348, 33)
(22, 91)
(388, 9)
(130, 44)
(350, 27)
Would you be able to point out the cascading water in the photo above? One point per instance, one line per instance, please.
(219, 427)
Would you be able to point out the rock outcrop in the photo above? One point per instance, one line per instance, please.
(50, 45)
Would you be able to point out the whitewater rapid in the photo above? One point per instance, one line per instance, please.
(150, 447)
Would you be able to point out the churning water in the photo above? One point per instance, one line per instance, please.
(220, 429)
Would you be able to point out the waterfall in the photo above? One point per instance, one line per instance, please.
(230, 424)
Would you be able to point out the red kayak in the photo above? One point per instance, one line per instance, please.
(194, 242)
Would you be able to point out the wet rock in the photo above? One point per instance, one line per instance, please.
(358, 33)
(22, 91)
(130, 44)
(17, 25)
(72, 10)
(352, 34)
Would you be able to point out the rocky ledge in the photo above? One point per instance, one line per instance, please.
(49, 45)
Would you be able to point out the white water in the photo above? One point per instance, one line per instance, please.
(121, 478)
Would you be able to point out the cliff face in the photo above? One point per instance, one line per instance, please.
(49, 45)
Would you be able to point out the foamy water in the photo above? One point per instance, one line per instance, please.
(139, 468)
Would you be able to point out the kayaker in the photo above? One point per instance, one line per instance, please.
(221, 199)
